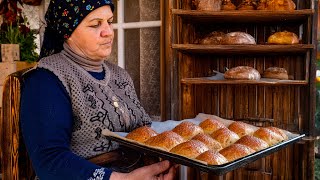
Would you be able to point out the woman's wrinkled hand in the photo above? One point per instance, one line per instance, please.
(159, 171)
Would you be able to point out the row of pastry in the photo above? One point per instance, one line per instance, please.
(211, 141)
(227, 5)
(234, 38)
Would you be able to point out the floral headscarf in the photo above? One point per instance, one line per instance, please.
(62, 18)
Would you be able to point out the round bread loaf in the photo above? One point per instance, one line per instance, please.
(246, 5)
(277, 5)
(190, 149)
(207, 5)
(268, 136)
(236, 151)
(275, 73)
(279, 132)
(241, 128)
(208, 141)
(238, 38)
(227, 5)
(141, 134)
(212, 157)
(242, 73)
(187, 130)
(284, 37)
(166, 140)
(210, 125)
(225, 137)
(214, 37)
(252, 142)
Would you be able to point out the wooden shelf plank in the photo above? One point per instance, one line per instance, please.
(262, 81)
(257, 16)
(243, 49)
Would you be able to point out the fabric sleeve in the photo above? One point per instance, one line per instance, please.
(46, 121)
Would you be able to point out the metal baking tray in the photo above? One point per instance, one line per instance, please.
(215, 169)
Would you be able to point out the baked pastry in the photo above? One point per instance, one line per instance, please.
(246, 5)
(227, 5)
(252, 142)
(278, 131)
(236, 151)
(242, 73)
(190, 149)
(212, 157)
(211, 125)
(268, 136)
(187, 130)
(214, 37)
(275, 73)
(225, 137)
(277, 5)
(207, 5)
(238, 38)
(208, 141)
(283, 37)
(241, 128)
(141, 134)
(166, 140)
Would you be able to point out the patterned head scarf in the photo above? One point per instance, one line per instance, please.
(62, 18)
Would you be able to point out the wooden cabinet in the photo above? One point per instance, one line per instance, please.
(288, 104)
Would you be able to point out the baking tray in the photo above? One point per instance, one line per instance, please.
(215, 169)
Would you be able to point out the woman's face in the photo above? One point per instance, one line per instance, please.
(94, 35)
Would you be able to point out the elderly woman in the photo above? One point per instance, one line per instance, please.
(74, 93)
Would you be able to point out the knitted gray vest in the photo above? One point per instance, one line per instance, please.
(97, 104)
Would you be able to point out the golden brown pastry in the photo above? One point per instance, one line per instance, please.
(191, 149)
(268, 136)
(208, 141)
(225, 137)
(210, 125)
(277, 5)
(166, 140)
(242, 73)
(212, 157)
(284, 37)
(238, 38)
(141, 134)
(207, 5)
(236, 151)
(252, 142)
(214, 37)
(278, 131)
(227, 5)
(275, 73)
(241, 128)
(246, 5)
(187, 130)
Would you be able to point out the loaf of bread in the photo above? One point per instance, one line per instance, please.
(283, 37)
(208, 141)
(141, 134)
(212, 157)
(237, 38)
(277, 5)
(279, 132)
(247, 5)
(225, 137)
(210, 125)
(236, 151)
(242, 73)
(275, 73)
(241, 128)
(227, 5)
(187, 130)
(214, 38)
(191, 148)
(166, 140)
(252, 142)
(268, 136)
(207, 5)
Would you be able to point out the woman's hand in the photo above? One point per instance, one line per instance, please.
(157, 171)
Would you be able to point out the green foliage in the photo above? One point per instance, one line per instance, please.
(317, 169)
